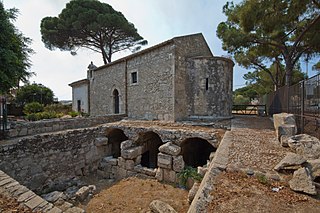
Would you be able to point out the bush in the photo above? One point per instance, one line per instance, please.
(188, 172)
(73, 114)
(58, 108)
(33, 107)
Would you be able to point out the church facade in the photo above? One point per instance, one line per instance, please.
(178, 79)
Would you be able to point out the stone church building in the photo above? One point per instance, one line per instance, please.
(178, 79)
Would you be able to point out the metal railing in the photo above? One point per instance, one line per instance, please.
(302, 100)
(249, 109)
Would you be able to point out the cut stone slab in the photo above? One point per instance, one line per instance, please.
(302, 182)
(164, 161)
(305, 145)
(126, 144)
(53, 196)
(283, 119)
(170, 149)
(131, 153)
(287, 130)
(290, 161)
(193, 191)
(178, 163)
(83, 193)
(158, 206)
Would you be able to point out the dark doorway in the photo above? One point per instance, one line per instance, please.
(116, 101)
(196, 151)
(79, 105)
(115, 137)
(151, 143)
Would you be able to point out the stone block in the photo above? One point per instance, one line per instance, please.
(159, 174)
(121, 162)
(103, 174)
(281, 119)
(137, 161)
(164, 161)
(131, 153)
(305, 145)
(110, 160)
(121, 173)
(83, 193)
(26, 196)
(302, 182)
(287, 130)
(126, 144)
(170, 149)
(34, 202)
(290, 161)
(169, 175)
(159, 206)
(178, 163)
(129, 164)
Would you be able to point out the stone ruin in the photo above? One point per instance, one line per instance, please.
(53, 164)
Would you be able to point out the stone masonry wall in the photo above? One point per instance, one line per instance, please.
(40, 161)
(102, 85)
(209, 87)
(19, 129)
(186, 47)
(152, 96)
(169, 159)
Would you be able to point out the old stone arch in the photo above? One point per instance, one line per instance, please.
(196, 151)
(151, 142)
(115, 137)
(116, 101)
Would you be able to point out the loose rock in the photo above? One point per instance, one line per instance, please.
(302, 182)
(290, 161)
(158, 206)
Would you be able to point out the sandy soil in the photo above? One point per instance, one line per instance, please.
(239, 193)
(135, 195)
(9, 205)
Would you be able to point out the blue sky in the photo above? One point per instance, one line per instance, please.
(156, 21)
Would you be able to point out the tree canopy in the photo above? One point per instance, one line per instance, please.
(34, 93)
(261, 83)
(93, 25)
(258, 33)
(14, 52)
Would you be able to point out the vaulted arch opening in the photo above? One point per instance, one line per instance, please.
(196, 151)
(115, 137)
(151, 142)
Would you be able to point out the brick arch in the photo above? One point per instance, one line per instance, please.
(115, 137)
(196, 151)
(151, 142)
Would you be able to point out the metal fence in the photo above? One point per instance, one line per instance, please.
(3, 117)
(302, 100)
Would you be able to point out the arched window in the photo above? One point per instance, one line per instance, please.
(116, 101)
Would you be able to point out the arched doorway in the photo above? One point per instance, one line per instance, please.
(115, 137)
(196, 151)
(151, 143)
(116, 101)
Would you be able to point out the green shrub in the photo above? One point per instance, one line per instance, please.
(73, 114)
(58, 108)
(262, 179)
(33, 107)
(188, 172)
(32, 117)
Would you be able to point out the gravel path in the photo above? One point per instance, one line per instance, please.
(254, 144)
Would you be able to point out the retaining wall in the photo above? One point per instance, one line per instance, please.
(20, 129)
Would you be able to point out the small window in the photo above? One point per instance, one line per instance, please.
(134, 77)
(207, 83)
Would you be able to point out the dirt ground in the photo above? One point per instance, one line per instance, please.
(135, 194)
(10, 205)
(239, 193)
